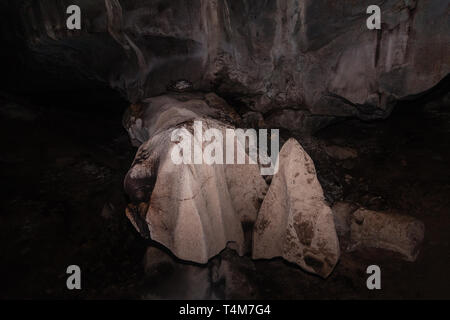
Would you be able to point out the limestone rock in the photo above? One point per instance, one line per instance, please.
(311, 60)
(190, 210)
(195, 210)
(399, 233)
(294, 221)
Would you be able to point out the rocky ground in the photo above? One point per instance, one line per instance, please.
(62, 168)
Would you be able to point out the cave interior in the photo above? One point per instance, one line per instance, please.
(65, 151)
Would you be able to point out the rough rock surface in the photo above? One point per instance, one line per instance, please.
(342, 213)
(399, 233)
(306, 61)
(294, 221)
(195, 210)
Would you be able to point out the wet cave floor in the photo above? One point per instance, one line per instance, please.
(62, 168)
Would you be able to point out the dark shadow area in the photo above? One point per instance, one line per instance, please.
(64, 156)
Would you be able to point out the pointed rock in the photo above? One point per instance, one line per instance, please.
(294, 221)
(195, 210)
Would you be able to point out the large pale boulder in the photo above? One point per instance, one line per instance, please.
(294, 221)
(190, 210)
(195, 210)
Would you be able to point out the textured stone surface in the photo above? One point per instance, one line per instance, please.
(295, 64)
(399, 233)
(294, 221)
(195, 210)
(198, 210)
(301, 63)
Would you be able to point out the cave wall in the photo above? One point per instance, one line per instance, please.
(299, 62)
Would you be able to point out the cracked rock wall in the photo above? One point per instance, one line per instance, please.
(304, 60)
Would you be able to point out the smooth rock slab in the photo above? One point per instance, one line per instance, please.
(294, 221)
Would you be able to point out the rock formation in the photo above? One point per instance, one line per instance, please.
(300, 63)
(294, 221)
(362, 228)
(294, 64)
(197, 210)
(398, 233)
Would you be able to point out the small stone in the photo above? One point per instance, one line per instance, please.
(398, 233)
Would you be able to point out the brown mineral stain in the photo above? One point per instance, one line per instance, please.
(310, 168)
(305, 231)
(262, 225)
